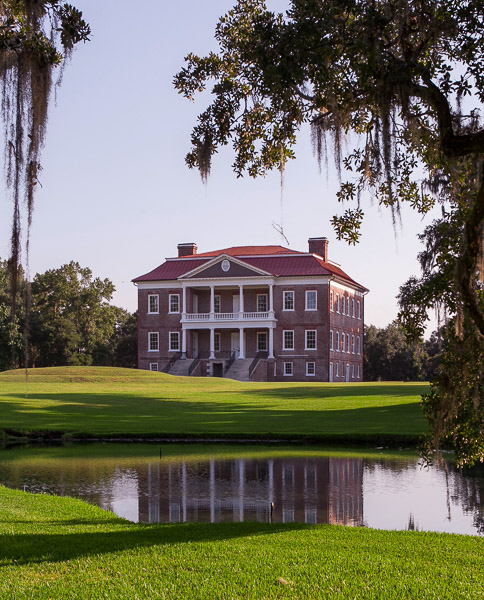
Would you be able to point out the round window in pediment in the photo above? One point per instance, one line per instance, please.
(225, 266)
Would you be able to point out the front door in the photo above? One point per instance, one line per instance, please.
(235, 343)
(195, 343)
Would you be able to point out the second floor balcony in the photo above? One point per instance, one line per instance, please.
(215, 317)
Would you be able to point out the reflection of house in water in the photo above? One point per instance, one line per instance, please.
(316, 490)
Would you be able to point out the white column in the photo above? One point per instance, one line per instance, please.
(241, 304)
(241, 488)
(184, 343)
(184, 309)
(241, 343)
(212, 302)
(271, 343)
(212, 491)
(271, 300)
(212, 343)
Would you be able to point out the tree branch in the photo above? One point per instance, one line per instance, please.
(453, 145)
(466, 264)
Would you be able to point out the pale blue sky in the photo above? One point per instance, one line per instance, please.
(116, 194)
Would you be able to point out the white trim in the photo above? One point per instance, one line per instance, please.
(170, 348)
(154, 365)
(310, 374)
(337, 346)
(291, 374)
(284, 331)
(154, 312)
(306, 331)
(157, 334)
(173, 312)
(306, 300)
(218, 259)
(284, 292)
(258, 333)
(331, 301)
(331, 339)
(257, 302)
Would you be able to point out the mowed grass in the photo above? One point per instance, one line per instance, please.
(103, 401)
(61, 548)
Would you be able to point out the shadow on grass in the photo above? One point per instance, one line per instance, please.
(125, 414)
(25, 548)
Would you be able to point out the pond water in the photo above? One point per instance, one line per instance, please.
(146, 483)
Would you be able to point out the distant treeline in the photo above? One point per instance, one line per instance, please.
(70, 321)
(389, 356)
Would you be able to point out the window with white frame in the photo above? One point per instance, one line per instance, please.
(337, 369)
(288, 300)
(153, 366)
(337, 341)
(261, 341)
(357, 371)
(216, 342)
(310, 369)
(358, 348)
(311, 299)
(331, 300)
(153, 304)
(153, 341)
(343, 304)
(288, 340)
(216, 304)
(174, 340)
(358, 309)
(288, 369)
(310, 339)
(342, 342)
(348, 343)
(262, 303)
(174, 303)
(337, 303)
(331, 339)
(353, 371)
(348, 305)
(352, 344)
(353, 307)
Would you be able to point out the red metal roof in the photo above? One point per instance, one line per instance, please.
(171, 269)
(287, 263)
(245, 251)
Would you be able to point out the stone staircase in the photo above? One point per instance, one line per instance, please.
(239, 369)
(180, 367)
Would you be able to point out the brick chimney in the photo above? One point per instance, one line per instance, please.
(319, 246)
(187, 249)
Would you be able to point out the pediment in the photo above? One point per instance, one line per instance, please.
(224, 267)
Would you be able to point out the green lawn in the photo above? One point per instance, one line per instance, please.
(60, 548)
(103, 401)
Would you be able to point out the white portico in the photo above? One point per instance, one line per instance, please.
(214, 319)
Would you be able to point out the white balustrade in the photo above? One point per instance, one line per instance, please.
(246, 316)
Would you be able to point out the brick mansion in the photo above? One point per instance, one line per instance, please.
(252, 313)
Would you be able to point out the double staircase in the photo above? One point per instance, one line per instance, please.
(239, 369)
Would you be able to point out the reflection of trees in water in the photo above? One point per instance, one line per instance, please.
(468, 490)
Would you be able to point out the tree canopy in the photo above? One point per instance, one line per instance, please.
(35, 37)
(402, 80)
(71, 322)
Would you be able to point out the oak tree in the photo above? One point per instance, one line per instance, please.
(402, 81)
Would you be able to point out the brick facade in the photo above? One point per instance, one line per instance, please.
(214, 327)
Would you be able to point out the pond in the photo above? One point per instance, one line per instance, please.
(178, 483)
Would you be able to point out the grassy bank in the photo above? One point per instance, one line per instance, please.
(62, 548)
(97, 401)
(107, 402)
